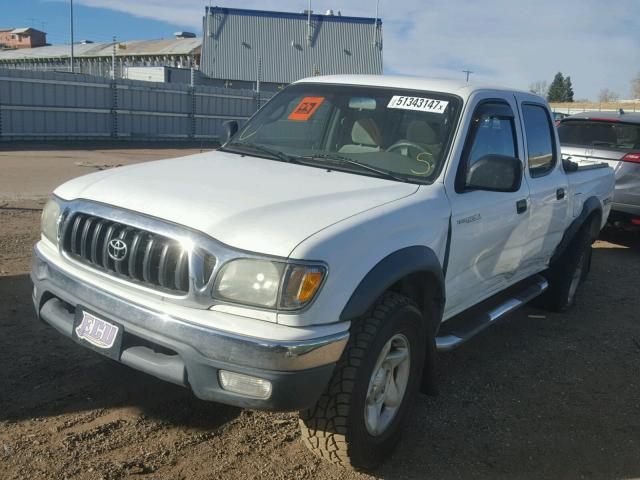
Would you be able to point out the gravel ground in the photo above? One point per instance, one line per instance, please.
(537, 396)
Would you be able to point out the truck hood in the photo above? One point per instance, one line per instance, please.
(248, 203)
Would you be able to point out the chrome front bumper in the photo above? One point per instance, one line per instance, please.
(299, 370)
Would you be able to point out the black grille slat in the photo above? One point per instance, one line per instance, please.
(150, 259)
(146, 262)
(133, 256)
(180, 278)
(95, 241)
(85, 232)
(162, 265)
(74, 233)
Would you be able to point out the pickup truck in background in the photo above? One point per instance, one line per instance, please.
(613, 138)
(319, 260)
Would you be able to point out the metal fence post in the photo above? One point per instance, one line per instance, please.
(192, 114)
(114, 108)
(256, 96)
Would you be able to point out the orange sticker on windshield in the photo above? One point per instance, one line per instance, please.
(306, 108)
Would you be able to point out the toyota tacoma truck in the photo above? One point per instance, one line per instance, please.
(319, 260)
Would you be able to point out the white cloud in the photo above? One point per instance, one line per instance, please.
(504, 41)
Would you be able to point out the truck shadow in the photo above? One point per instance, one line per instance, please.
(45, 374)
(626, 238)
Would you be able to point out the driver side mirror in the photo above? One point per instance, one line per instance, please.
(495, 173)
(231, 128)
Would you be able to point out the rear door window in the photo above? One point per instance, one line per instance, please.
(540, 140)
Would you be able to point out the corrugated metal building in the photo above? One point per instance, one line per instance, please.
(241, 46)
(96, 58)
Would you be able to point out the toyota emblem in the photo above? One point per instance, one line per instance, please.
(117, 249)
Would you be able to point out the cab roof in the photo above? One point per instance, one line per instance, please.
(455, 87)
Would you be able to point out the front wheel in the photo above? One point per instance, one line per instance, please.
(358, 420)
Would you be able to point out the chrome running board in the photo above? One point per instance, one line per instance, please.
(470, 328)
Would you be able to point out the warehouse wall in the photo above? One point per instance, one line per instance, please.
(56, 105)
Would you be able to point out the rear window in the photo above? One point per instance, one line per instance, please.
(600, 134)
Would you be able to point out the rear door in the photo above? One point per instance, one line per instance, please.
(548, 186)
(489, 229)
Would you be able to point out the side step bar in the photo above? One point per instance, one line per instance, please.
(475, 325)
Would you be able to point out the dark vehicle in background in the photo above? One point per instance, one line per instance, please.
(557, 116)
(614, 138)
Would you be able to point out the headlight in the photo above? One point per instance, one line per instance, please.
(252, 282)
(50, 218)
(268, 284)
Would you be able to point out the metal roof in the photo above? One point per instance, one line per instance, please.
(290, 15)
(176, 46)
(25, 30)
(244, 44)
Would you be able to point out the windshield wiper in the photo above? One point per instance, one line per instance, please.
(271, 152)
(349, 161)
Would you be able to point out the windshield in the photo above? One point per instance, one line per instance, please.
(385, 132)
(600, 134)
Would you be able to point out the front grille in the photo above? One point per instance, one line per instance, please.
(147, 258)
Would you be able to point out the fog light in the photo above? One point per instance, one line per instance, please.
(245, 384)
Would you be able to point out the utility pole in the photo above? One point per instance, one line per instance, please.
(258, 75)
(193, 70)
(73, 68)
(468, 72)
(309, 24)
(113, 59)
(375, 24)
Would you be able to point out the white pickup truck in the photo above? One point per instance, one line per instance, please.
(319, 260)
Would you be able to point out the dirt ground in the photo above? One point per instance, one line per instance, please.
(537, 396)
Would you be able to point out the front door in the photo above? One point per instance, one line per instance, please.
(488, 228)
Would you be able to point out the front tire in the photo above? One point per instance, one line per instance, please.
(358, 420)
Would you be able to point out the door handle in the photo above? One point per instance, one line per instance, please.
(521, 206)
(560, 193)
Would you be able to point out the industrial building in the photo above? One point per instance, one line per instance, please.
(181, 52)
(267, 50)
(240, 49)
(21, 38)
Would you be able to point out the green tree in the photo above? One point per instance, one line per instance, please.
(557, 90)
(568, 90)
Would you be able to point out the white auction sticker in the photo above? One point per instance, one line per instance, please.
(418, 103)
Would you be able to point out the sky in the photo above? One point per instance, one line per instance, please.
(505, 42)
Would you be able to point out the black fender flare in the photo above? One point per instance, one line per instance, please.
(389, 271)
(590, 206)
